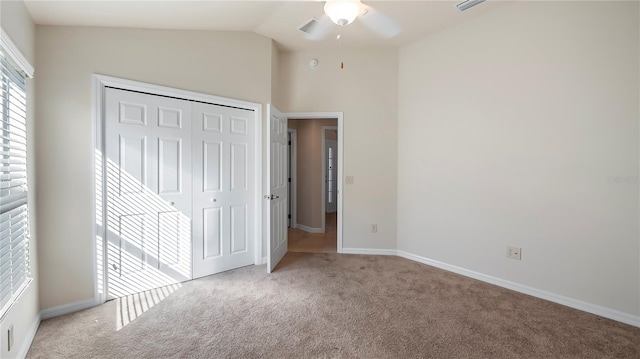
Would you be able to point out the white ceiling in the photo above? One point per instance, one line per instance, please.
(278, 20)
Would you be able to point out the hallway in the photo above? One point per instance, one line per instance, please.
(301, 241)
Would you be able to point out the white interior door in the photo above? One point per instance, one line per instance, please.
(277, 186)
(148, 191)
(223, 187)
(331, 176)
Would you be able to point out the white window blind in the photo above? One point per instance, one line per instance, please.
(14, 234)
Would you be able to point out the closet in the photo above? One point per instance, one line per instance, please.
(180, 189)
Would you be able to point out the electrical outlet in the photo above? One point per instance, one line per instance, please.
(10, 338)
(348, 179)
(374, 228)
(514, 253)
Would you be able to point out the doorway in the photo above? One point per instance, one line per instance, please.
(314, 184)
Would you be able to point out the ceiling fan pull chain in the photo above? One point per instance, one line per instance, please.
(341, 47)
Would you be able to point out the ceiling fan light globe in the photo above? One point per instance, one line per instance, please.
(343, 12)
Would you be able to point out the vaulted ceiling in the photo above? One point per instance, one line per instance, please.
(278, 20)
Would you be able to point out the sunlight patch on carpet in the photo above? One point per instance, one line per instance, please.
(131, 307)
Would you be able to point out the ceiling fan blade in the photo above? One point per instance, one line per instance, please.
(317, 28)
(379, 23)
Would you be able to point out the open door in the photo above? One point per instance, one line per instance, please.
(277, 186)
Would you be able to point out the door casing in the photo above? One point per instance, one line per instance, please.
(100, 82)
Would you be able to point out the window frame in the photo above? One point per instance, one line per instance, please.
(17, 65)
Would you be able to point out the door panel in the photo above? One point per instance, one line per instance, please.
(238, 167)
(238, 229)
(212, 122)
(169, 157)
(133, 164)
(238, 126)
(169, 117)
(148, 191)
(223, 141)
(169, 231)
(277, 208)
(132, 243)
(133, 113)
(212, 164)
(212, 221)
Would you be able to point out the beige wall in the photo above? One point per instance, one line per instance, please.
(366, 91)
(513, 130)
(229, 64)
(309, 170)
(16, 22)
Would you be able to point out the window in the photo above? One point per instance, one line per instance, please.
(14, 233)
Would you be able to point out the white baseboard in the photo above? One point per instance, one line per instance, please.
(309, 229)
(552, 297)
(370, 251)
(264, 260)
(26, 344)
(50, 313)
(68, 308)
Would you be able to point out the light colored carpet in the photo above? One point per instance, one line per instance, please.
(319, 305)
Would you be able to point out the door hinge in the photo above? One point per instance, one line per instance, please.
(289, 179)
(289, 143)
(289, 217)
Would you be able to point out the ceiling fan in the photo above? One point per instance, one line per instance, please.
(343, 13)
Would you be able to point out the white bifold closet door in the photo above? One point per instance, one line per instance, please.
(223, 182)
(179, 190)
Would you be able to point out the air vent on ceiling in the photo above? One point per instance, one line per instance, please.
(315, 29)
(309, 26)
(467, 4)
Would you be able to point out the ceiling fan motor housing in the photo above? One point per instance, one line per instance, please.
(343, 12)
